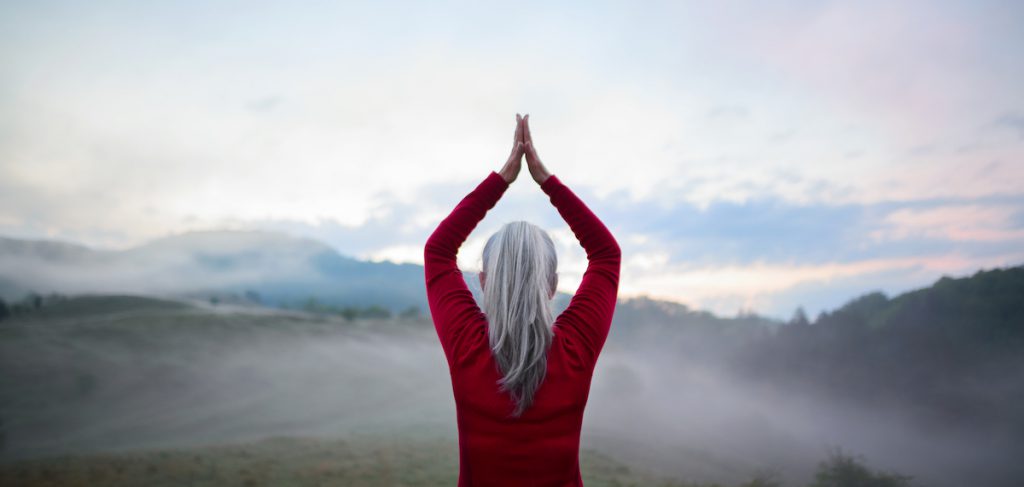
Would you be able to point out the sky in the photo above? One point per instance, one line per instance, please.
(748, 156)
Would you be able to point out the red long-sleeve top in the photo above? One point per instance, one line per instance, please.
(541, 447)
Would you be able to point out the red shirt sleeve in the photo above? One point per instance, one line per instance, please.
(452, 306)
(589, 315)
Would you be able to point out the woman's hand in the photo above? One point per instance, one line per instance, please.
(537, 169)
(515, 159)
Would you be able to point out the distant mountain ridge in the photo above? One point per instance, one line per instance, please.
(278, 267)
(284, 270)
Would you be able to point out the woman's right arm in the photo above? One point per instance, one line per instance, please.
(589, 315)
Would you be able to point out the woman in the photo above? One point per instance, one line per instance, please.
(520, 379)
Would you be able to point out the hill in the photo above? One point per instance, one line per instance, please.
(265, 268)
(952, 352)
(273, 268)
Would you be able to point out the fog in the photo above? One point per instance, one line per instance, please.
(696, 421)
(180, 377)
(175, 264)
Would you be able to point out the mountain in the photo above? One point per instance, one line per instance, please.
(277, 268)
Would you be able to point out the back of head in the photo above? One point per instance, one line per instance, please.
(520, 265)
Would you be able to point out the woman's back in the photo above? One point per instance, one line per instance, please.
(540, 447)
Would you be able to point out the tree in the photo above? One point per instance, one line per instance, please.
(799, 317)
(349, 313)
(376, 311)
(410, 313)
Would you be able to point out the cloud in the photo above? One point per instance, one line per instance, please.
(1011, 120)
(768, 255)
(728, 111)
(265, 104)
(824, 137)
(956, 223)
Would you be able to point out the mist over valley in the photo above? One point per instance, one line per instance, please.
(219, 338)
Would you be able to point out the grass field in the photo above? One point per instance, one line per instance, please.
(287, 462)
(136, 391)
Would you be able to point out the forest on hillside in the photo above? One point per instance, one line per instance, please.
(952, 352)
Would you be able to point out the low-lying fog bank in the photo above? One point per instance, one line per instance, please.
(135, 375)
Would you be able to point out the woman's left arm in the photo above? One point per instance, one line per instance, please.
(452, 306)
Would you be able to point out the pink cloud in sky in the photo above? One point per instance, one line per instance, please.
(954, 222)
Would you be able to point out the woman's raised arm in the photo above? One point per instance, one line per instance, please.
(589, 315)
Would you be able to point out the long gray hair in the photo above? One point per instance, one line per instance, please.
(520, 263)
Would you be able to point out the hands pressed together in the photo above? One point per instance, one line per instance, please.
(523, 145)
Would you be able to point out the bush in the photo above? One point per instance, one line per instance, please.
(841, 470)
